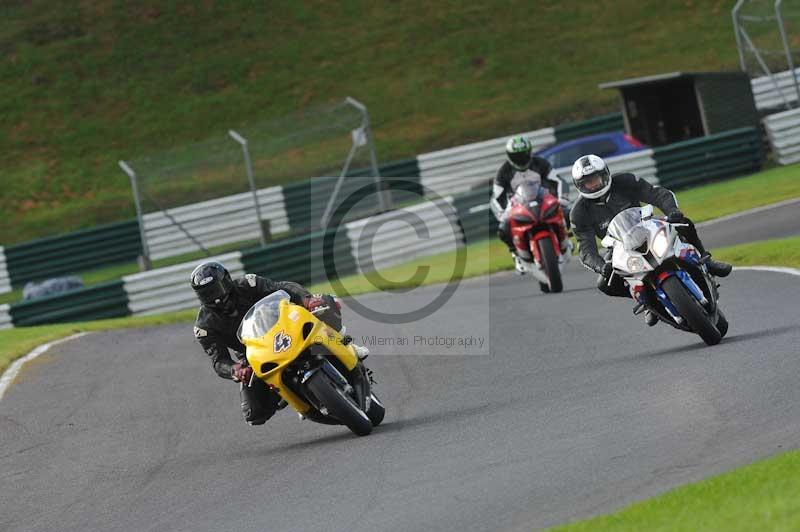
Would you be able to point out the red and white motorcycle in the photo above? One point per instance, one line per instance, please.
(539, 232)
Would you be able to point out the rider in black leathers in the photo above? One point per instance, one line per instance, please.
(603, 196)
(224, 303)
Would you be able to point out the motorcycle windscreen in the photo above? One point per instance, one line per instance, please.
(262, 316)
(526, 192)
(626, 227)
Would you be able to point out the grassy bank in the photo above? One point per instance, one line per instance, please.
(778, 252)
(729, 197)
(86, 84)
(761, 496)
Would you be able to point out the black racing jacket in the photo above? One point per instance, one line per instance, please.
(216, 331)
(590, 218)
(506, 174)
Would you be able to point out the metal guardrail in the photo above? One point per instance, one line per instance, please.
(73, 252)
(107, 300)
(5, 279)
(723, 155)
(5, 317)
(775, 91)
(461, 168)
(212, 223)
(783, 131)
(167, 289)
(404, 234)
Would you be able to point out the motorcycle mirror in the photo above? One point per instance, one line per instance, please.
(607, 242)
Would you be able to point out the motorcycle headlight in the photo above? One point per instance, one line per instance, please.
(660, 244)
(635, 264)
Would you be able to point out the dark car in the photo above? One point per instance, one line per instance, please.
(603, 145)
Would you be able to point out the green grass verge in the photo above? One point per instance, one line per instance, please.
(778, 252)
(86, 84)
(729, 197)
(761, 496)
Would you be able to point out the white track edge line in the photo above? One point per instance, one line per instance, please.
(748, 212)
(776, 269)
(11, 373)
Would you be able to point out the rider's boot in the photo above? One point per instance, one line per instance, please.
(715, 267)
(362, 352)
(650, 318)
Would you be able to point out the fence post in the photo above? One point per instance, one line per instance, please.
(144, 262)
(786, 48)
(249, 165)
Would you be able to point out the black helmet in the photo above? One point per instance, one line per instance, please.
(212, 283)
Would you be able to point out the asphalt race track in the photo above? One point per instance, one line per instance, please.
(578, 409)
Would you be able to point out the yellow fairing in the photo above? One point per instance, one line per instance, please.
(290, 325)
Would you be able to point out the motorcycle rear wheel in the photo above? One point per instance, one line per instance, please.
(550, 264)
(339, 404)
(689, 308)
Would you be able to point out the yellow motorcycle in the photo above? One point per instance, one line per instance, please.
(310, 364)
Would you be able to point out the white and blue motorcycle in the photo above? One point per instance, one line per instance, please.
(664, 274)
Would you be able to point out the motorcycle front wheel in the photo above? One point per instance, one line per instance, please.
(376, 410)
(550, 264)
(339, 404)
(689, 308)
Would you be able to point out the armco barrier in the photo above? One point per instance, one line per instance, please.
(168, 289)
(300, 259)
(402, 168)
(5, 280)
(404, 234)
(5, 317)
(306, 201)
(107, 300)
(73, 252)
(219, 221)
(462, 168)
(776, 91)
(600, 124)
(783, 131)
(477, 220)
(723, 155)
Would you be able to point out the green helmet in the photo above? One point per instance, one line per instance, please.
(518, 152)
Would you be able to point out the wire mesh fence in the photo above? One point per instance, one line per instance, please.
(190, 197)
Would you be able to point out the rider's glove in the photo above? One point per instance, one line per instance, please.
(607, 270)
(676, 217)
(241, 373)
(316, 302)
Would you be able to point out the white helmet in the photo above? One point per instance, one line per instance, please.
(591, 176)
